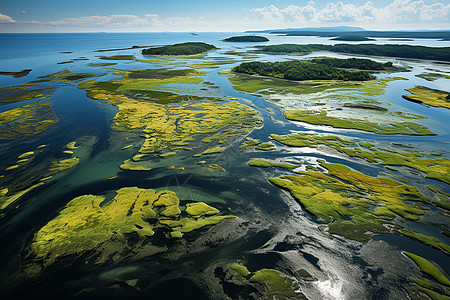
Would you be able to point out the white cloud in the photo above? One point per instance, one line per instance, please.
(111, 20)
(6, 19)
(22, 12)
(396, 12)
(148, 21)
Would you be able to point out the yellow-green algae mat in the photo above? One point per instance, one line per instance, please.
(276, 284)
(28, 120)
(428, 96)
(434, 288)
(172, 125)
(87, 221)
(356, 205)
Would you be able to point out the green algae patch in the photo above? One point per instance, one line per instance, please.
(25, 155)
(22, 93)
(428, 96)
(13, 167)
(168, 154)
(162, 73)
(102, 64)
(216, 167)
(242, 270)
(27, 120)
(62, 165)
(268, 146)
(278, 285)
(186, 225)
(127, 147)
(137, 157)
(209, 151)
(168, 125)
(432, 294)
(129, 166)
(428, 268)
(89, 220)
(434, 168)
(427, 240)
(200, 209)
(249, 142)
(119, 57)
(67, 76)
(356, 205)
(432, 76)
(267, 163)
(71, 146)
(7, 198)
(321, 118)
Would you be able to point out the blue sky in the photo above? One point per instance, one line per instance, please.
(231, 15)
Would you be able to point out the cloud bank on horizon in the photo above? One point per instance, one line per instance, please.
(395, 14)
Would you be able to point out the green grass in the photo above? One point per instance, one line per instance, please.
(428, 268)
(119, 57)
(266, 164)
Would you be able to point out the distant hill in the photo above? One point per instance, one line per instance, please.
(315, 29)
(246, 38)
(357, 31)
(352, 38)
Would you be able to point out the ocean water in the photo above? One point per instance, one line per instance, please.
(272, 231)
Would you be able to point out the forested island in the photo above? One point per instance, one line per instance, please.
(355, 63)
(352, 38)
(246, 38)
(402, 51)
(301, 70)
(189, 48)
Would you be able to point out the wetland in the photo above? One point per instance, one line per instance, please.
(288, 170)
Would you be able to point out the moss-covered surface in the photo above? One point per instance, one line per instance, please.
(427, 240)
(356, 205)
(267, 163)
(162, 73)
(6, 197)
(175, 123)
(428, 96)
(278, 286)
(119, 57)
(23, 92)
(249, 142)
(435, 168)
(268, 146)
(67, 76)
(168, 154)
(102, 64)
(322, 118)
(242, 270)
(127, 147)
(214, 150)
(88, 221)
(428, 268)
(216, 167)
(28, 120)
(62, 165)
(432, 76)
(127, 165)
